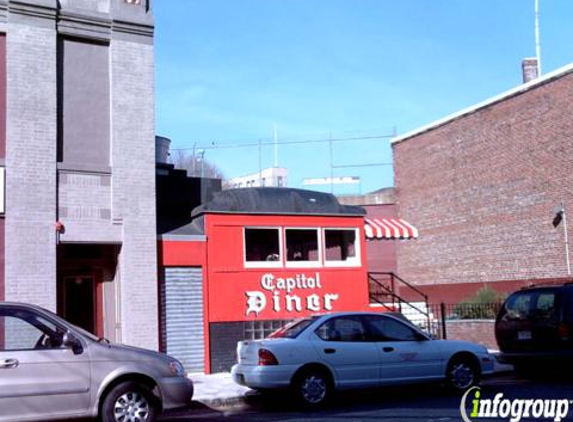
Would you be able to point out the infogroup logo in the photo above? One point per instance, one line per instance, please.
(512, 409)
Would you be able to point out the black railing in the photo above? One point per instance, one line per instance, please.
(382, 290)
(466, 310)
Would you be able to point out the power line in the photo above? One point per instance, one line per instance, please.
(344, 166)
(306, 141)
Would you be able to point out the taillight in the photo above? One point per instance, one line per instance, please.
(266, 358)
(564, 331)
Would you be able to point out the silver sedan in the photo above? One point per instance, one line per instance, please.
(315, 356)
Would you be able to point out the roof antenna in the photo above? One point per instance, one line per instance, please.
(537, 46)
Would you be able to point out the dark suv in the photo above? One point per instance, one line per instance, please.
(535, 325)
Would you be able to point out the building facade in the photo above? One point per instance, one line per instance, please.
(482, 187)
(269, 177)
(247, 261)
(76, 98)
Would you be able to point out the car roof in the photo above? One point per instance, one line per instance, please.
(22, 305)
(545, 286)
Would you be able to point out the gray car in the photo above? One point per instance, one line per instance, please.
(50, 369)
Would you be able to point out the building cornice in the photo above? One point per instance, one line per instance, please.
(133, 29)
(75, 23)
(42, 12)
(3, 12)
(520, 89)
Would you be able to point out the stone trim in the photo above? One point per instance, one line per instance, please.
(77, 24)
(183, 237)
(33, 12)
(83, 168)
(127, 31)
(3, 14)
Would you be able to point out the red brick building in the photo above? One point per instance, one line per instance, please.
(482, 185)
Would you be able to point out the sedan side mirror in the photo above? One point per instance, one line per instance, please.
(70, 341)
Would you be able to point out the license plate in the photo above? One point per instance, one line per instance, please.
(524, 335)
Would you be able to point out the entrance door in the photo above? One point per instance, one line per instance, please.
(79, 305)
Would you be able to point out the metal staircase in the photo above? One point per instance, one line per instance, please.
(383, 292)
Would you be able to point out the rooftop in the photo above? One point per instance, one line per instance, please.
(535, 83)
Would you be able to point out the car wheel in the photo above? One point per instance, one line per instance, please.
(313, 388)
(462, 373)
(129, 402)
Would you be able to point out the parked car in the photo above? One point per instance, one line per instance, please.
(534, 326)
(316, 355)
(50, 369)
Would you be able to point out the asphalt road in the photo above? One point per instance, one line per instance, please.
(429, 403)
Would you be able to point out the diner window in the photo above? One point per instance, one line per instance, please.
(262, 247)
(341, 247)
(302, 247)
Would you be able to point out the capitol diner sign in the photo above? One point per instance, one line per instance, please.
(291, 294)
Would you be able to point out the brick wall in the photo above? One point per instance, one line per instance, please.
(133, 187)
(482, 189)
(477, 331)
(30, 160)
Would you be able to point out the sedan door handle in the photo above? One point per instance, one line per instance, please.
(388, 349)
(329, 351)
(9, 363)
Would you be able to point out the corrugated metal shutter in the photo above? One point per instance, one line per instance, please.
(182, 314)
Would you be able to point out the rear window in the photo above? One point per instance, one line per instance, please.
(529, 305)
(293, 329)
(567, 303)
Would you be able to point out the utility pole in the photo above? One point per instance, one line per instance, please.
(537, 44)
(561, 216)
(566, 240)
(331, 163)
(260, 164)
(276, 137)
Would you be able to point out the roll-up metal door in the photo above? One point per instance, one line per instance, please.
(182, 314)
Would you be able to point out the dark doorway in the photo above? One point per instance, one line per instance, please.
(78, 304)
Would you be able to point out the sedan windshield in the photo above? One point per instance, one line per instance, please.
(293, 329)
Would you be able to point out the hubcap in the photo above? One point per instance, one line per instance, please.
(314, 389)
(131, 407)
(462, 376)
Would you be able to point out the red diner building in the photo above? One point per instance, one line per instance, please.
(252, 259)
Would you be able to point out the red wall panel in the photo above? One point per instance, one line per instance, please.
(236, 293)
(2, 95)
(2, 244)
(181, 253)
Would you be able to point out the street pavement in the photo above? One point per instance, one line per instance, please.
(429, 402)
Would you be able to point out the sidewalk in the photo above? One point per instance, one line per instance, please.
(218, 391)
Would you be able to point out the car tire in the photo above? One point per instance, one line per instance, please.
(129, 402)
(312, 388)
(462, 373)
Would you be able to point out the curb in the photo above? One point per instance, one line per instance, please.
(226, 403)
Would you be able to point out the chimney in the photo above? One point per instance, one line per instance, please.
(162, 149)
(529, 68)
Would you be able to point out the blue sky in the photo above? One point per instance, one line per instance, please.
(228, 71)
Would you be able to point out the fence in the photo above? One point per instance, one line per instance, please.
(442, 313)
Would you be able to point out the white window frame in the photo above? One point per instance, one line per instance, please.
(352, 262)
(263, 264)
(304, 264)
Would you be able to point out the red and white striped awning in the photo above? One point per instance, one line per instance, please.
(389, 228)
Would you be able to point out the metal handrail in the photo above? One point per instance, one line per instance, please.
(391, 291)
(401, 280)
